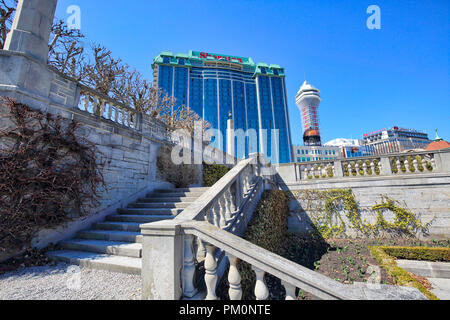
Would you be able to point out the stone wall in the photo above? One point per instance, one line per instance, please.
(427, 196)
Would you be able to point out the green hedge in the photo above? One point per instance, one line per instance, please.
(400, 276)
(213, 173)
(266, 229)
(419, 253)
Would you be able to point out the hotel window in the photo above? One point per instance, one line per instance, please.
(166, 60)
(181, 62)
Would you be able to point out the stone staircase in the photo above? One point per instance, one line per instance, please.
(115, 244)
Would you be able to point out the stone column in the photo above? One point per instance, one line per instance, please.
(338, 172)
(31, 27)
(162, 261)
(386, 169)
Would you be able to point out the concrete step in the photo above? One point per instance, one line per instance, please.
(151, 211)
(427, 269)
(168, 199)
(93, 260)
(120, 226)
(195, 194)
(160, 205)
(111, 235)
(117, 248)
(137, 218)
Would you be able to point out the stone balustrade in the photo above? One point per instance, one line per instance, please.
(227, 206)
(425, 162)
(177, 238)
(100, 105)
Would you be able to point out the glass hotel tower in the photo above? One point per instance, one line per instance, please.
(216, 85)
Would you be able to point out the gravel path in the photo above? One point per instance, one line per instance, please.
(66, 282)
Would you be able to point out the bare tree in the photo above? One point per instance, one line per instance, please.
(7, 8)
(105, 71)
(66, 50)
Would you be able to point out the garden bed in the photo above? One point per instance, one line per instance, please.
(345, 260)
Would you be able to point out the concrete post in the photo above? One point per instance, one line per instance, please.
(386, 169)
(339, 173)
(230, 137)
(31, 27)
(162, 261)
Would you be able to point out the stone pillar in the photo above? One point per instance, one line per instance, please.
(31, 27)
(386, 169)
(162, 261)
(338, 172)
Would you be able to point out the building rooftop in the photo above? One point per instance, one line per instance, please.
(438, 145)
(196, 57)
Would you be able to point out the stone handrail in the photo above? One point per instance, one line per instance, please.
(168, 246)
(209, 231)
(227, 206)
(371, 166)
(107, 108)
(262, 261)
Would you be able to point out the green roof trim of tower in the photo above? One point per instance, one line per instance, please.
(198, 56)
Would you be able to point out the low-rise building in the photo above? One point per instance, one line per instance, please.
(395, 140)
(315, 153)
(351, 148)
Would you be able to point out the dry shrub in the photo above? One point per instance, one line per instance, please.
(181, 175)
(48, 175)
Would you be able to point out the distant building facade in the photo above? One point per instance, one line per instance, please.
(315, 153)
(215, 85)
(351, 148)
(395, 140)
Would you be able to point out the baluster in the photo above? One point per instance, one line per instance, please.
(380, 166)
(228, 204)
(124, 117)
(116, 114)
(109, 111)
(201, 250)
(416, 164)
(424, 164)
(222, 209)
(433, 163)
(372, 166)
(189, 289)
(399, 165)
(210, 273)
(86, 103)
(357, 169)
(101, 107)
(290, 290)
(365, 168)
(261, 291)
(234, 279)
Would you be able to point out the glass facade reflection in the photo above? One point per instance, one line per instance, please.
(213, 85)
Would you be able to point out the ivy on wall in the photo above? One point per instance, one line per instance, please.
(334, 212)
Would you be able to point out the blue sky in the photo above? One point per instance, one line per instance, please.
(369, 79)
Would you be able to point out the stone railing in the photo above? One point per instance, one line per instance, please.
(227, 206)
(103, 106)
(209, 232)
(364, 167)
(107, 108)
